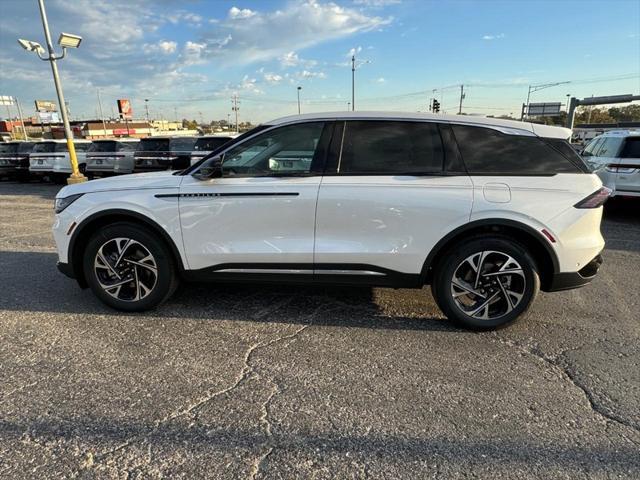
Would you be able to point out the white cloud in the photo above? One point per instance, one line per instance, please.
(376, 3)
(262, 36)
(188, 18)
(272, 78)
(166, 47)
(493, 37)
(380, 80)
(354, 51)
(307, 74)
(235, 12)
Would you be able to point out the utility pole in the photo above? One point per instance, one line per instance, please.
(104, 125)
(76, 176)
(146, 107)
(299, 88)
(228, 122)
(236, 108)
(461, 98)
(175, 113)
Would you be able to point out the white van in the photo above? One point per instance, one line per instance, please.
(51, 158)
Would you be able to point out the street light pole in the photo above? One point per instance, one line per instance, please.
(353, 83)
(104, 125)
(299, 88)
(146, 107)
(76, 176)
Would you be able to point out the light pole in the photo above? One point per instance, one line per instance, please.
(535, 88)
(104, 126)
(65, 40)
(299, 88)
(146, 108)
(354, 65)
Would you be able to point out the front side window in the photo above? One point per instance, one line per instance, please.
(486, 151)
(80, 147)
(591, 147)
(391, 148)
(286, 150)
(154, 145)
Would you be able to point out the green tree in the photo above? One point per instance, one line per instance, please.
(628, 113)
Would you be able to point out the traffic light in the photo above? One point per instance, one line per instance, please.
(436, 106)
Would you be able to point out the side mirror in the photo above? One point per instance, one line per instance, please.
(210, 169)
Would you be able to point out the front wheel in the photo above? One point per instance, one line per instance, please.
(128, 268)
(486, 282)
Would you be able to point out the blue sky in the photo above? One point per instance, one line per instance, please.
(189, 57)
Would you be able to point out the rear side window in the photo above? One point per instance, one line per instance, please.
(126, 146)
(489, 152)
(591, 147)
(25, 147)
(391, 148)
(610, 147)
(631, 148)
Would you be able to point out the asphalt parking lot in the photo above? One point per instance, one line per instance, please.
(289, 382)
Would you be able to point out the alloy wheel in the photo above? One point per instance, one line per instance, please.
(488, 285)
(126, 269)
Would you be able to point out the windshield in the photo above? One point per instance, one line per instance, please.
(154, 145)
(8, 147)
(209, 144)
(44, 147)
(102, 147)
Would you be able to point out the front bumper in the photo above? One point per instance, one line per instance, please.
(66, 269)
(571, 280)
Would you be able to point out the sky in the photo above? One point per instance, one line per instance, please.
(189, 57)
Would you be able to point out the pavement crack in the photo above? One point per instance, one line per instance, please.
(570, 376)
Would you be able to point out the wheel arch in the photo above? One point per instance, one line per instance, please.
(542, 252)
(98, 220)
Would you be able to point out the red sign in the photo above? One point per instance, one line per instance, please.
(124, 108)
(123, 131)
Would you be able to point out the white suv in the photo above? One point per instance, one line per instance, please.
(615, 157)
(51, 158)
(486, 211)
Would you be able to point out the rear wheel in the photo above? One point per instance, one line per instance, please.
(486, 282)
(128, 268)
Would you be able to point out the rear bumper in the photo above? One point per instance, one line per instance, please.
(571, 280)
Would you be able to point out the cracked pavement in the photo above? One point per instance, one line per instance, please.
(251, 381)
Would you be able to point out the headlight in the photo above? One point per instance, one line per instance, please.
(62, 203)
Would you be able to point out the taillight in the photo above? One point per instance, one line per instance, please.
(613, 168)
(596, 199)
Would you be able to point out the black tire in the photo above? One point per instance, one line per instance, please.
(166, 279)
(526, 283)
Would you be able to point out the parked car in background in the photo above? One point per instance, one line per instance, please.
(208, 143)
(102, 156)
(615, 157)
(478, 208)
(51, 158)
(163, 153)
(14, 159)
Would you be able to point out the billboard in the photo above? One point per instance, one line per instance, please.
(46, 106)
(543, 109)
(124, 108)
(48, 117)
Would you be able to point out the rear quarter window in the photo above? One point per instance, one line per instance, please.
(489, 152)
(631, 148)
